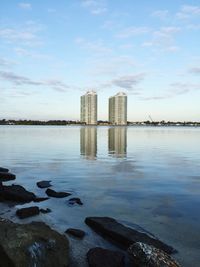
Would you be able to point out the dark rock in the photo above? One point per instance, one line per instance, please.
(34, 244)
(99, 257)
(6, 176)
(44, 184)
(47, 210)
(123, 235)
(75, 232)
(27, 212)
(148, 256)
(4, 169)
(39, 199)
(52, 193)
(75, 200)
(16, 193)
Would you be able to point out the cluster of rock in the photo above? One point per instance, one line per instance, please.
(144, 249)
(36, 244)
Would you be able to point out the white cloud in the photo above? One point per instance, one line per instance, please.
(161, 14)
(132, 31)
(26, 34)
(5, 63)
(24, 52)
(164, 39)
(188, 11)
(126, 82)
(174, 90)
(112, 65)
(95, 7)
(19, 80)
(195, 70)
(26, 6)
(94, 46)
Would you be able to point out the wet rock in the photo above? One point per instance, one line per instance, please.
(75, 200)
(27, 212)
(4, 169)
(75, 232)
(44, 211)
(34, 244)
(99, 257)
(123, 235)
(44, 184)
(16, 193)
(148, 256)
(40, 199)
(52, 193)
(6, 176)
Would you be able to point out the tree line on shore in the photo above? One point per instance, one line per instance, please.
(100, 122)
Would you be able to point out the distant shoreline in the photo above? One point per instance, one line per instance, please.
(109, 125)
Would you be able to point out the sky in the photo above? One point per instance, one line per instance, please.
(52, 52)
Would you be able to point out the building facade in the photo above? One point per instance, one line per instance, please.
(89, 108)
(118, 109)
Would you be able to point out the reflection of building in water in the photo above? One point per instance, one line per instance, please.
(88, 140)
(117, 141)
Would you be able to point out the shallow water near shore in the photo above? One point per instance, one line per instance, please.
(149, 176)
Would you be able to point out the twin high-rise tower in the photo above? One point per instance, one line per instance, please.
(89, 108)
(117, 109)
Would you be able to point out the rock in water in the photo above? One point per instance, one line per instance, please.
(75, 200)
(27, 212)
(6, 176)
(4, 169)
(40, 199)
(123, 235)
(44, 211)
(148, 256)
(99, 257)
(75, 232)
(34, 244)
(16, 193)
(52, 193)
(44, 184)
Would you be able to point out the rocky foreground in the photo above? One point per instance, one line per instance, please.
(37, 245)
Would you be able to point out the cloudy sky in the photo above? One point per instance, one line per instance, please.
(52, 52)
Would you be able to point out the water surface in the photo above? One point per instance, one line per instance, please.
(149, 176)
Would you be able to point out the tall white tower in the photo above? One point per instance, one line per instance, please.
(89, 108)
(118, 109)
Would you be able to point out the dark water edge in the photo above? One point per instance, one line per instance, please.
(145, 176)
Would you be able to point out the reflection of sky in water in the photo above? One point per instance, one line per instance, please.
(147, 176)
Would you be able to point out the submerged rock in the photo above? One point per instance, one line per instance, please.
(148, 256)
(44, 184)
(6, 176)
(99, 257)
(27, 212)
(47, 210)
(4, 169)
(123, 235)
(75, 232)
(39, 199)
(16, 193)
(52, 193)
(33, 245)
(75, 200)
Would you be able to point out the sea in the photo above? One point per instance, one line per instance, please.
(145, 177)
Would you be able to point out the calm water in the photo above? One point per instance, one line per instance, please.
(139, 175)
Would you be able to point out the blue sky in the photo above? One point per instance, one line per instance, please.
(52, 52)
